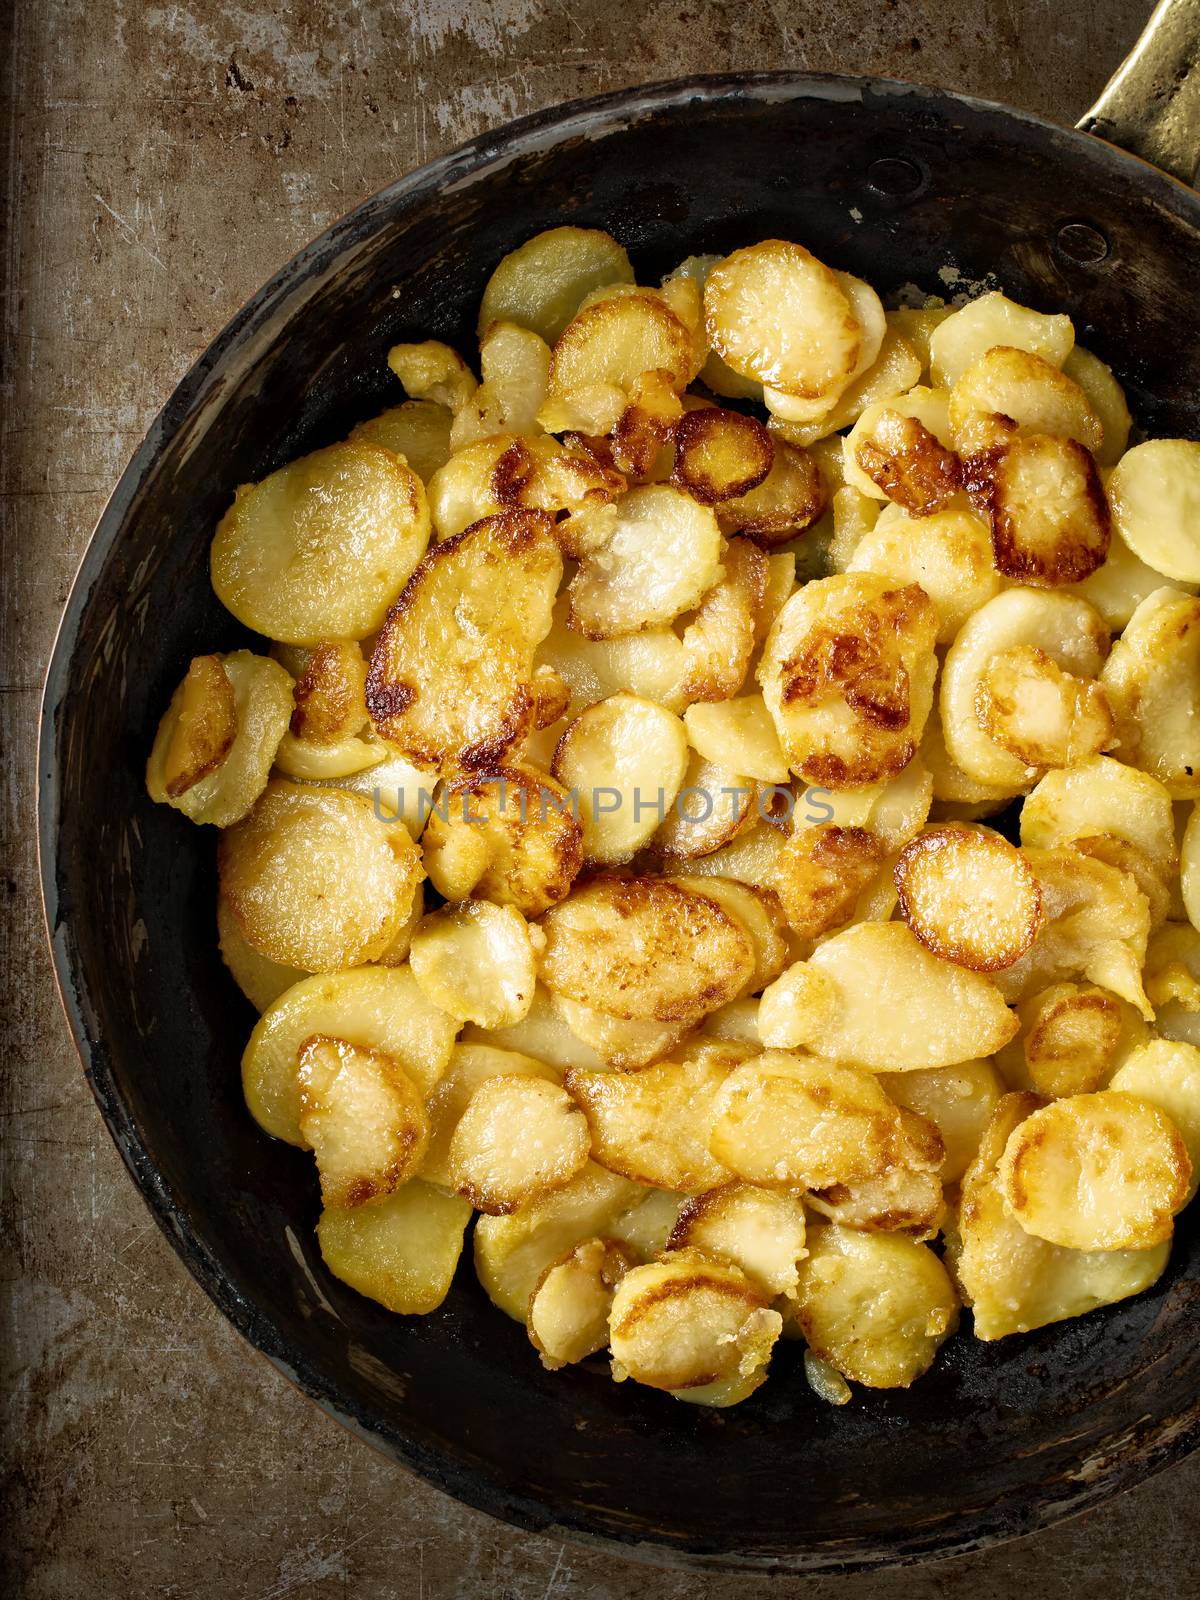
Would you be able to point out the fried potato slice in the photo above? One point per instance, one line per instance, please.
(963, 336)
(783, 505)
(315, 880)
(363, 1117)
(644, 430)
(1105, 1171)
(895, 369)
(800, 1003)
(515, 364)
(820, 873)
(1050, 518)
(543, 1034)
(948, 553)
(1015, 1282)
(689, 1322)
(758, 912)
(418, 431)
(898, 1008)
(761, 1231)
(783, 1121)
(518, 1137)
(1173, 981)
(774, 312)
(401, 1251)
(1029, 390)
(662, 558)
(330, 694)
(1118, 587)
(719, 455)
(719, 641)
(1190, 867)
(969, 897)
(512, 836)
(625, 759)
(376, 1008)
(652, 1125)
(431, 370)
(450, 682)
(569, 1308)
(1155, 496)
(1044, 717)
(900, 1200)
(847, 674)
(876, 1306)
(607, 345)
(1107, 400)
(475, 961)
(321, 548)
(1101, 796)
(621, 1044)
(906, 460)
(652, 664)
(205, 764)
(709, 809)
(738, 734)
(259, 978)
(643, 948)
(867, 310)
(958, 1100)
(1132, 860)
(470, 1065)
(1071, 1036)
(1166, 1074)
(1152, 679)
(507, 473)
(749, 858)
(541, 283)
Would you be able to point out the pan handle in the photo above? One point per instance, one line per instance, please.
(1151, 105)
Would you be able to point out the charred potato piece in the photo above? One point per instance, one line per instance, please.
(1049, 514)
(907, 461)
(363, 1117)
(330, 695)
(569, 1309)
(475, 961)
(518, 1137)
(1072, 1033)
(969, 897)
(401, 1251)
(507, 473)
(900, 1200)
(719, 455)
(783, 505)
(646, 426)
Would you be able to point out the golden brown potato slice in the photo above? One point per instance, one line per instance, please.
(1155, 495)
(820, 873)
(214, 781)
(906, 460)
(919, 323)
(315, 879)
(948, 553)
(900, 1200)
(609, 344)
(1072, 1035)
(363, 1117)
(641, 437)
(433, 371)
(958, 1100)
(1101, 796)
(1050, 518)
(783, 1121)
(749, 858)
(401, 1251)
(687, 1322)
(451, 676)
(323, 546)
(761, 1231)
(513, 836)
(376, 1008)
(1043, 716)
(710, 808)
(621, 1044)
(518, 1137)
(876, 1306)
(719, 640)
(784, 505)
(847, 674)
(642, 948)
(1131, 859)
(1166, 1073)
(896, 368)
(260, 979)
(470, 1065)
(515, 364)
(720, 454)
(969, 896)
(1030, 391)
(568, 1310)
(652, 1125)
(867, 311)
(1107, 400)
(740, 735)
(475, 961)
(507, 473)
(796, 1007)
(541, 283)
(1104, 1171)
(418, 431)
(758, 912)
(330, 695)
(1152, 679)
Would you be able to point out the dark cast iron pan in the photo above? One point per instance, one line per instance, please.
(905, 186)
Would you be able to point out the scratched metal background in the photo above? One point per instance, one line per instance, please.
(158, 163)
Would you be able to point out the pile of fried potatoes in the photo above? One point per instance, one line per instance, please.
(604, 829)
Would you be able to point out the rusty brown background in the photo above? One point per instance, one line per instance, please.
(159, 162)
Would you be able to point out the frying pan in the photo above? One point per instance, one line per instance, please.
(906, 186)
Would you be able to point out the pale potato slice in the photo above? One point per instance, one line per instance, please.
(475, 961)
(784, 505)
(470, 1065)
(621, 1044)
(918, 323)
(1072, 1035)
(662, 558)
(750, 857)
(958, 1100)
(719, 641)
(1105, 1171)
(689, 1322)
(450, 679)
(1064, 627)
(543, 1034)
(652, 1125)
(1152, 679)
(761, 1231)
(922, 468)
(418, 431)
(1107, 400)
(433, 371)
(399, 792)
(515, 364)
(709, 809)
(948, 553)
(847, 674)
(969, 897)
(512, 1252)
(1050, 518)
(778, 589)
(897, 1008)
(1028, 390)
(652, 664)
(518, 1137)
(377, 1008)
(735, 1023)
(315, 880)
(773, 312)
(796, 1006)
(363, 1117)
(625, 759)
(1173, 981)
(1155, 496)
(758, 912)
(1118, 587)
(323, 546)
(714, 374)
(740, 735)
(259, 978)
(609, 344)
(876, 1306)
(1015, 1282)
(207, 763)
(643, 948)
(1101, 796)
(783, 1121)
(513, 836)
(1166, 1073)
(1132, 860)
(900, 1200)
(1189, 867)
(896, 368)
(401, 1251)
(1042, 716)
(960, 338)
(541, 283)
(568, 1312)
(719, 455)
(820, 873)
(308, 762)
(645, 1227)
(825, 1381)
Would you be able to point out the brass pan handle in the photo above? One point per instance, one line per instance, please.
(1151, 105)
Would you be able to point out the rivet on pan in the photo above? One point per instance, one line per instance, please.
(1081, 242)
(895, 175)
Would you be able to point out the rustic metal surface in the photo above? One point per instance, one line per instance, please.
(159, 164)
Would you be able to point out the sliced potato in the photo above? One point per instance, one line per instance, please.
(475, 961)
(1101, 796)
(948, 553)
(323, 546)
(622, 1044)
(761, 1231)
(569, 1308)
(418, 431)
(608, 344)
(450, 679)
(652, 664)
(259, 978)
(401, 1251)
(876, 1306)
(758, 912)
(958, 1100)
(433, 371)
(1155, 495)
(643, 431)
(543, 1034)
(784, 505)
(907, 461)
(750, 858)
(798, 1005)
(719, 640)
(895, 369)
(470, 1065)
(820, 873)
(1166, 1073)
(508, 473)
(315, 880)
(519, 1136)
(1118, 587)
(1050, 519)
(541, 283)
(1030, 391)
(1152, 679)
(1041, 715)
(709, 809)
(1189, 867)
(959, 340)
(652, 1125)
(1173, 981)
(330, 694)
(899, 1200)
(1107, 400)
(625, 759)
(969, 897)
(867, 310)
(1072, 1033)
(720, 455)
(740, 735)
(204, 727)
(363, 1117)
